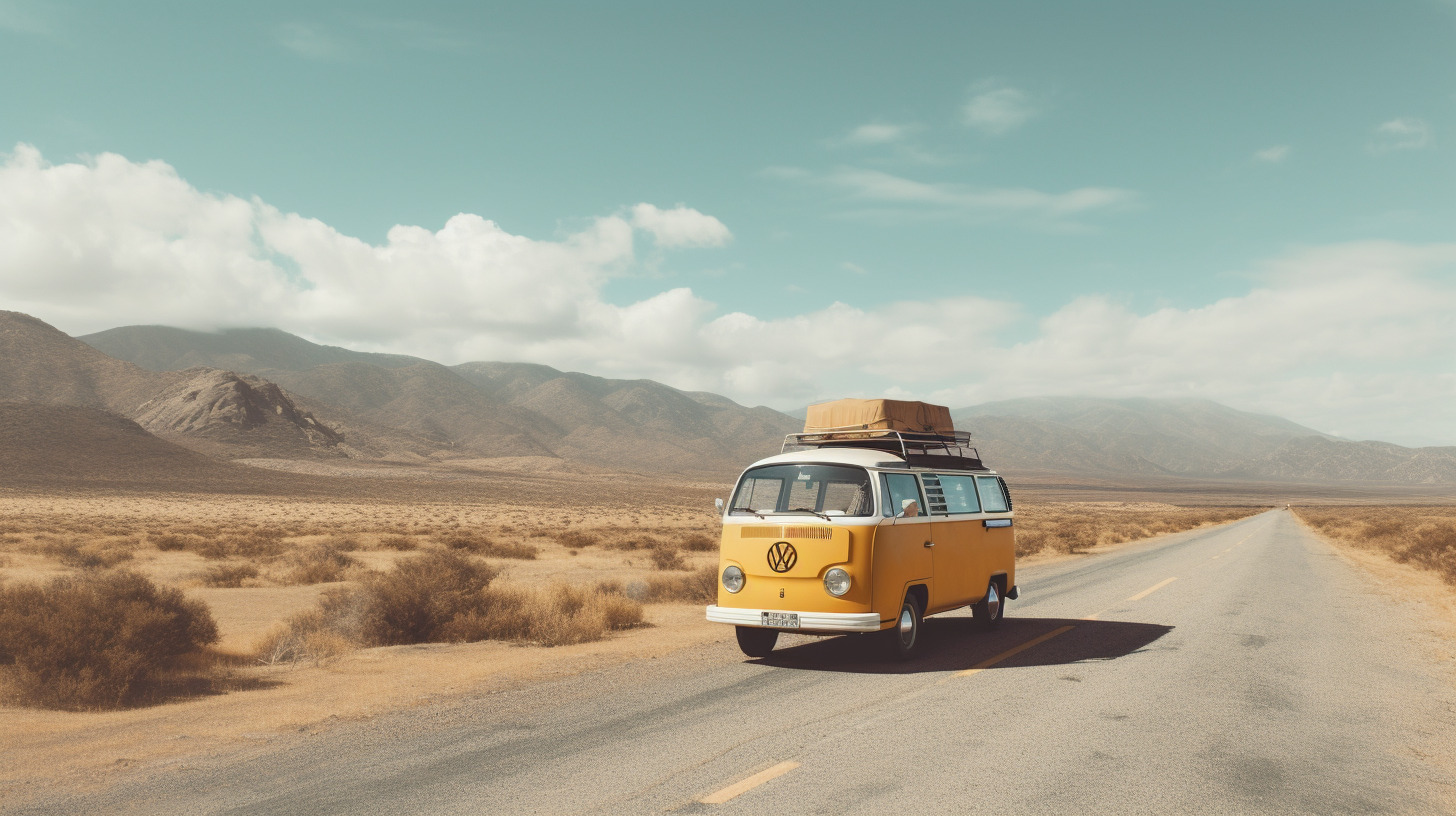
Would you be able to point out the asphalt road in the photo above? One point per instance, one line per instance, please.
(1244, 669)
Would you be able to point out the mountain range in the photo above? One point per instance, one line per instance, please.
(251, 394)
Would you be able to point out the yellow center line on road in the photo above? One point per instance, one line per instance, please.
(1150, 590)
(989, 662)
(744, 786)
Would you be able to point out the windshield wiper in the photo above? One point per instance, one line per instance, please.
(746, 510)
(824, 516)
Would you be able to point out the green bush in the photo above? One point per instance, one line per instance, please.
(97, 640)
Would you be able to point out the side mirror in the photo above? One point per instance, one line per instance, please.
(909, 508)
(719, 504)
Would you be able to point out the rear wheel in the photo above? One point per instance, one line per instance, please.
(989, 610)
(756, 642)
(904, 636)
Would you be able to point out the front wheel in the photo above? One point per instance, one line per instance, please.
(988, 611)
(756, 642)
(904, 636)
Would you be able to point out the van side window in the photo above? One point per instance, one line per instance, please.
(960, 494)
(897, 488)
(993, 494)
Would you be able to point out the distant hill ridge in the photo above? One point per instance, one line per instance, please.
(482, 408)
(264, 392)
(1185, 437)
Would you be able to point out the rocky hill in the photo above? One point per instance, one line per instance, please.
(214, 411)
(483, 409)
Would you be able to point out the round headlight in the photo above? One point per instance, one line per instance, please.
(733, 579)
(836, 582)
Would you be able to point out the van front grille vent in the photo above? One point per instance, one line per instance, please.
(816, 533)
(762, 532)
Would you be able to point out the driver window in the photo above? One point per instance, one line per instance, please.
(898, 487)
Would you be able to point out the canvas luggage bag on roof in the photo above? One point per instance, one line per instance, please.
(878, 414)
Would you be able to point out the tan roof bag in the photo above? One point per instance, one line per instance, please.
(878, 414)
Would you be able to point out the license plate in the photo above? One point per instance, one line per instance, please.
(781, 620)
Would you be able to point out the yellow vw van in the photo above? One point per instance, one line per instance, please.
(865, 526)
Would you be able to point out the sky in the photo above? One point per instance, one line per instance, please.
(1249, 202)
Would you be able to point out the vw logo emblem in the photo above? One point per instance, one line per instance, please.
(782, 557)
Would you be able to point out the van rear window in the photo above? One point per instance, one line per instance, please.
(993, 494)
(833, 490)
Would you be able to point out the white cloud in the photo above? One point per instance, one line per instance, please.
(877, 133)
(680, 226)
(1406, 133)
(1354, 338)
(309, 42)
(996, 108)
(940, 197)
(1273, 155)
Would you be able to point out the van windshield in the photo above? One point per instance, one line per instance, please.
(829, 490)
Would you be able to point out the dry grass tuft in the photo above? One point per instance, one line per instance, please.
(481, 544)
(665, 558)
(229, 576)
(577, 539)
(255, 544)
(1070, 527)
(699, 586)
(398, 542)
(97, 640)
(316, 564)
(446, 597)
(1421, 536)
(698, 542)
(97, 555)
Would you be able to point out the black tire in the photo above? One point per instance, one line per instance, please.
(903, 639)
(990, 609)
(756, 642)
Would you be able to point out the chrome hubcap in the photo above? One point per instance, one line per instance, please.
(907, 627)
(993, 602)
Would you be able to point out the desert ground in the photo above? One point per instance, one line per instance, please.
(262, 565)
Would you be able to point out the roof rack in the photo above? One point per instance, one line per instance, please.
(950, 451)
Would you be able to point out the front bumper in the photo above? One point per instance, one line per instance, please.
(808, 621)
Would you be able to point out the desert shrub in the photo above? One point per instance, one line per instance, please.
(698, 542)
(257, 544)
(699, 586)
(88, 556)
(170, 542)
(98, 640)
(397, 542)
(577, 539)
(414, 602)
(1423, 537)
(665, 558)
(316, 564)
(446, 597)
(484, 545)
(524, 552)
(228, 575)
(1074, 527)
(633, 541)
(307, 636)
(560, 616)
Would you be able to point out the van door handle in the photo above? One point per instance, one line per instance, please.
(930, 543)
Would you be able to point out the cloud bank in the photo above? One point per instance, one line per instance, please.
(1352, 338)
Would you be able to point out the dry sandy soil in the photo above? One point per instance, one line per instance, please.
(40, 536)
